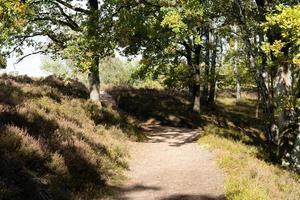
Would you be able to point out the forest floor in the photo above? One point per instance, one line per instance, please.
(171, 166)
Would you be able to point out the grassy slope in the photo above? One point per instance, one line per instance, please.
(53, 142)
(235, 135)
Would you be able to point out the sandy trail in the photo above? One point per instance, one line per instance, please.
(171, 166)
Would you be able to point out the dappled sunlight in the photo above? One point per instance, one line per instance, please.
(150, 99)
(174, 136)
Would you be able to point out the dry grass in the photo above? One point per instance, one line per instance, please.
(53, 143)
(236, 137)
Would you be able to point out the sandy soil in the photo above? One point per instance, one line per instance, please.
(171, 166)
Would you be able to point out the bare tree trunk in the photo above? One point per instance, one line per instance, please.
(288, 139)
(207, 65)
(258, 74)
(236, 67)
(197, 99)
(212, 92)
(283, 88)
(94, 76)
(264, 95)
(94, 80)
(257, 104)
(197, 95)
(196, 86)
(296, 150)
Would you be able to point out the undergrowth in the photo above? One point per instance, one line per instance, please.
(55, 144)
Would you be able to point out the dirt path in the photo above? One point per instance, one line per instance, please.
(172, 167)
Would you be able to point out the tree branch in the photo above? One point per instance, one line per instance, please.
(70, 6)
(57, 21)
(27, 55)
(67, 17)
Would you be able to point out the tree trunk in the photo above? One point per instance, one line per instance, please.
(207, 64)
(197, 89)
(288, 140)
(196, 86)
(94, 76)
(257, 104)
(264, 95)
(257, 73)
(197, 97)
(236, 67)
(283, 87)
(296, 150)
(212, 92)
(94, 80)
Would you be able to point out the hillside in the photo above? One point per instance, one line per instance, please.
(55, 144)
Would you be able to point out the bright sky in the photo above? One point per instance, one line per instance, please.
(29, 66)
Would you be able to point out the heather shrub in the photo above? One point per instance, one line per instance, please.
(55, 144)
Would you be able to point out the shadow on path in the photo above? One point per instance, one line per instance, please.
(171, 166)
(172, 135)
(193, 197)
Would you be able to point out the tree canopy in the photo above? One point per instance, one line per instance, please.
(189, 45)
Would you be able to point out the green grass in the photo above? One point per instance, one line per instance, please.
(56, 144)
(240, 153)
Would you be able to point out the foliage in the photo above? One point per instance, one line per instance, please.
(227, 77)
(2, 62)
(12, 20)
(58, 67)
(12, 14)
(116, 72)
(159, 35)
(285, 20)
(172, 76)
(283, 25)
(65, 28)
(113, 70)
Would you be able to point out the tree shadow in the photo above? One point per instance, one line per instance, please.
(10, 95)
(240, 124)
(123, 193)
(137, 188)
(175, 136)
(73, 88)
(24, 171)
(110, 117)
(193, 197)
(166, 109)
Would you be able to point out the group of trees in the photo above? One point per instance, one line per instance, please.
(185, 40)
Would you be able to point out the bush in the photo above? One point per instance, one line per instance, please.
(52, 146)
